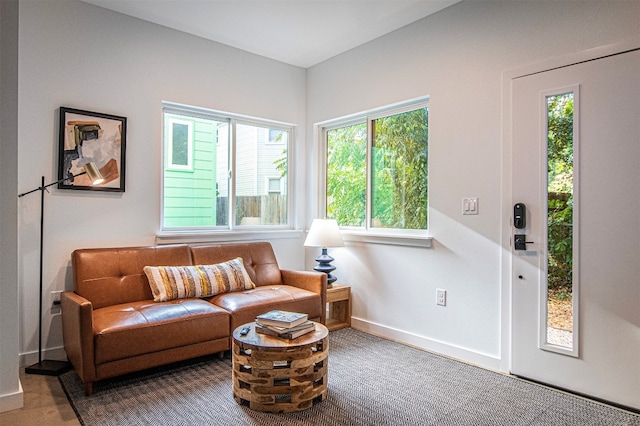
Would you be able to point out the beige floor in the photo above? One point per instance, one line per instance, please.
(44, 404)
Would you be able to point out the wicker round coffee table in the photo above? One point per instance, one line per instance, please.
(279, 375)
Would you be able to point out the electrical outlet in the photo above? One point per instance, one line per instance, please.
(441, 297)
(55, 297)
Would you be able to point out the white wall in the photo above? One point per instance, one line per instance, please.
(457, 57)
(11, 395)
(78, 55)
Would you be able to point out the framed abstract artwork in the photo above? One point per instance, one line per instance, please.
(91, 137)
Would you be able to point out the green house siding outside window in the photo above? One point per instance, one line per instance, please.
(189, 178)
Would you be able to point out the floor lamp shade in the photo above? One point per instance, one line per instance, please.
(53, 367)
(324, 233)
(93, 173)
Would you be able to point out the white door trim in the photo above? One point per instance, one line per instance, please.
(507, 202)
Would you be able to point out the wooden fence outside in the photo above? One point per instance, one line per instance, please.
(255, 210)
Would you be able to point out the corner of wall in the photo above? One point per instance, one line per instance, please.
(12, 401)
(11, 393)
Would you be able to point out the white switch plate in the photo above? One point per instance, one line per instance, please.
(470, 205)
(441, 297)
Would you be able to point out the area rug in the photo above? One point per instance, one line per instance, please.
(372, 381)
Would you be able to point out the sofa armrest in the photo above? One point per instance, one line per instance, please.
(308, 280)
(77, 334)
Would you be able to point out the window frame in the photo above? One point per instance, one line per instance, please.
(169, 234)
(367, 233)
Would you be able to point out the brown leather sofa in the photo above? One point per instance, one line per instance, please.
(112, 326)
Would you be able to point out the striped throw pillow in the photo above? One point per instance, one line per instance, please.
(179, 282)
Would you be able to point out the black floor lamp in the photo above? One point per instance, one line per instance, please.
(53, 367)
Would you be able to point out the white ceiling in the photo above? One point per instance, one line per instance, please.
(297, 32)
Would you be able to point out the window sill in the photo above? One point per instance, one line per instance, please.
(388, 239)
(223, 236)
(257, 235)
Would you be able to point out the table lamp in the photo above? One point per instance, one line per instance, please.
(324, 233)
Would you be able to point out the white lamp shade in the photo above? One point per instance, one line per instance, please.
(324, 233)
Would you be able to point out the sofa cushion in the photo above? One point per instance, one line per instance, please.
(111, 276)
(136, 328)
(179, 282)
(244, 306)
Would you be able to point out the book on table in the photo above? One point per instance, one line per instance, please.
(282, 319)
(280, 330)
(286, 333)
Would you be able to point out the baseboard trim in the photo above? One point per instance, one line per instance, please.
(421, 342)
(29, 358)
(12, 401)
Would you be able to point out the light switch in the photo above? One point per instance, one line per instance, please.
(470, 205)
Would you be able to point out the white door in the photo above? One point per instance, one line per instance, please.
(593, 179)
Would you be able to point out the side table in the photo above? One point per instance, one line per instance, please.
(339, 302)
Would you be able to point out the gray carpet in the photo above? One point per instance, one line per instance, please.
(372, 381)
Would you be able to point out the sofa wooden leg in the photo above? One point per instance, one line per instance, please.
(88, 388)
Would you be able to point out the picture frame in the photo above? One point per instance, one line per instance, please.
(87, 136)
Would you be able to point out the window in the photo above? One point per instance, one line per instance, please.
(376, 169)
(275, 136)
(561, 263)
(346, 174)
(275, 185)
(215, 169)
(180, 141)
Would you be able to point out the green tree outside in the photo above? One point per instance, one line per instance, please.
(560, 194)
(347, 174)
(399, 178)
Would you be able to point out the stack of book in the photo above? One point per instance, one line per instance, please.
(287, 325)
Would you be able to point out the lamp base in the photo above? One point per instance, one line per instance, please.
(324, 265)
(330, 278)
(48, 367)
